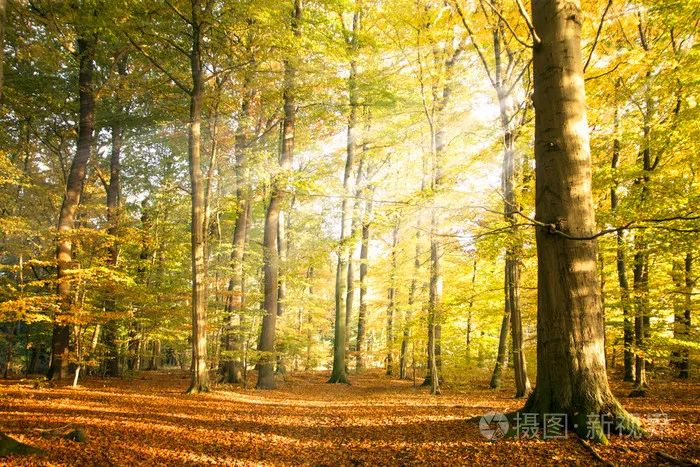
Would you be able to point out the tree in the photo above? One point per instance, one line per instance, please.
(87, 42)
(266, 365)
(571, 376)
(339, 372)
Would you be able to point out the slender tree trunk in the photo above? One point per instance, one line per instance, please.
(3, 17)
(235, 300)
(621, 256)
(502, 350)
(200, 370)
(684, 328)
(364, 254)
(640, 273)
(74, 186)
(339, 373)
(571, 376)
(681, 275)
(469, 313)
(266, 365)
(113, 215)
(391, 309)
(412, 295)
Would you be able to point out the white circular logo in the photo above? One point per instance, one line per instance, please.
(493, 426)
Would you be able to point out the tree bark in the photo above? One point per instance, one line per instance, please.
(571, 376)
(621, 256)
(3, 17)
(113, 215)
(64, 252)
(266, 365)
(200, 370)
(364, 255)
(235, 299)
(339, 373)
(682, 278)
(502, 350)
(391, 309)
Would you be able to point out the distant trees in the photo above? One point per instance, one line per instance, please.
(227, 179)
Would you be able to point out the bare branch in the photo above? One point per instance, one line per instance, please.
(155, 63)
(597, 34)
(510, 28)
(526, 17)
(476, 46)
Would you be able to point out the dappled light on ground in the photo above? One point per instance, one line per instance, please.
(148, 420)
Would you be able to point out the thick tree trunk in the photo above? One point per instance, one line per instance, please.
(266, 365)
(64, 252)
(200, 370)
(571, 376)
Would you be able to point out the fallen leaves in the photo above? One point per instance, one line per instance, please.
(376, 421)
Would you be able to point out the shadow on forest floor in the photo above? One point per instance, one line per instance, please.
(376, 420)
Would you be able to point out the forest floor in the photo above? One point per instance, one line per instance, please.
(148, 420)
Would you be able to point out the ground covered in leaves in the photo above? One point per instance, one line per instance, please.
(148, 420)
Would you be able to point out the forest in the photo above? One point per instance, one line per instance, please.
(349, 232)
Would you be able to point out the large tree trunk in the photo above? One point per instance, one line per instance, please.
(64, 252)
(200, 370)
(339, 373)
(571, 376)
(266, 365)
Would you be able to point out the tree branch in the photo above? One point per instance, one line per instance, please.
(155, 63)
(597, 34)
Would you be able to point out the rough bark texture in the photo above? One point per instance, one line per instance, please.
(571, 376)
(266, 365)
(74, 186)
